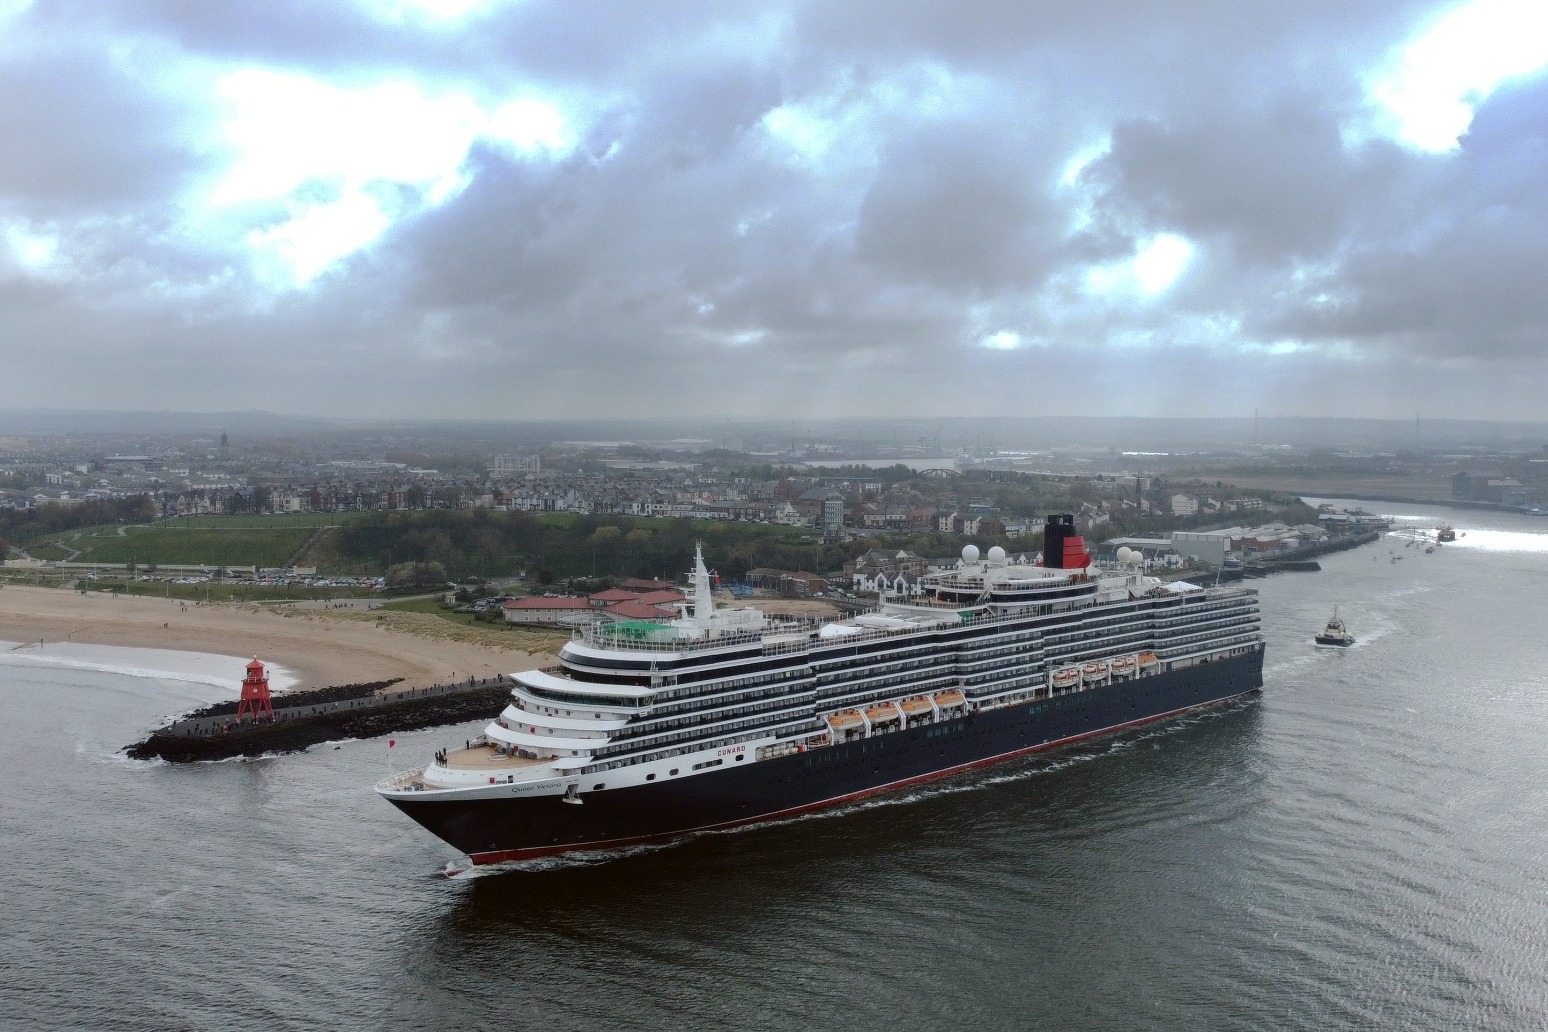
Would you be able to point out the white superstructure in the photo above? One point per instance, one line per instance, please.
(640, 702)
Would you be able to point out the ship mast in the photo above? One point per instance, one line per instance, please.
(703, 598)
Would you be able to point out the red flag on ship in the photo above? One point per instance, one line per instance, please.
(391, 742)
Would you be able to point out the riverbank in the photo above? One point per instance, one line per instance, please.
(319, 647)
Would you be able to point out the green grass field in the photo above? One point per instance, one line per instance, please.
(49, 550)
(433, 607)
(163, 543)
(271, 541)
(288, 520)
(195, 540)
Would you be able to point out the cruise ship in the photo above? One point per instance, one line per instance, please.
(648, 731)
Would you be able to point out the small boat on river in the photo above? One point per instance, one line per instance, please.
(1335, 633)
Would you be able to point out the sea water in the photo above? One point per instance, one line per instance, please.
(1360, 847)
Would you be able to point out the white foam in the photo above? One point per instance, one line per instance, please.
(576, 858)
(207, 668)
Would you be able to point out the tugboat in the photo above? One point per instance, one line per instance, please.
(1335, 633)
(1445, 533)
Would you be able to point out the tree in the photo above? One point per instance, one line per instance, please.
(416, 575)
(605, 535)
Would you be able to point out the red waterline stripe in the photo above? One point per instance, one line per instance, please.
(506, 855)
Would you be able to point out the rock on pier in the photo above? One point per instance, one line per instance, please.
(303, 719)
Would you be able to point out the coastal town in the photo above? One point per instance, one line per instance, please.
(798, 481)
(850, 517)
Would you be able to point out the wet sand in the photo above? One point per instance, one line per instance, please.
(321, 648)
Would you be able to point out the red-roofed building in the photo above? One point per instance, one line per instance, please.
(659, 598)
(638, 584)
(637, 611)
(611, 595)
(544, 609)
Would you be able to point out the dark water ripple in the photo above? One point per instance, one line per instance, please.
(1362, 847)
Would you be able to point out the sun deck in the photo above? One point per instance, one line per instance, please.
(482, 758)
(487, 757)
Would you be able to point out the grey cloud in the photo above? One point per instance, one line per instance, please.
(277, 32)
(83, 136)
(660, 214)
(601, 44)
(681, 257)
(963, 209)
(1461, 274)
(1270, 185)
(1096, 54)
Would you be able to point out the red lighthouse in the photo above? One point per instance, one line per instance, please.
(255, 693)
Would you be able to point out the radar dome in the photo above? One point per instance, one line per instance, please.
(970, 553)
(996, 554)
(1129, 555)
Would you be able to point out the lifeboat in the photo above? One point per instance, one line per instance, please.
(917, 707)
(951, 699)
(1123, 666)
(1147, 660)
(1095, 670)
(883, 713)
(845, 721)
(1067, 677)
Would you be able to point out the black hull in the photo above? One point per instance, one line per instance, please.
(496, 830)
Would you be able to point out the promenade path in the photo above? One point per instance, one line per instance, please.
(206, 727)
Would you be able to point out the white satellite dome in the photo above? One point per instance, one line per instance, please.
(970, 553)
(996, 554)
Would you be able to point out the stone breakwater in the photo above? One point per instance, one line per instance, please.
(303, 719)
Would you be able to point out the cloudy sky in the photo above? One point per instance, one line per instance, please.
(531, 209)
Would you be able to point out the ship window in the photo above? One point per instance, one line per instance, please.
(672, 773)
(598, 787)
(739, 759)
(650, 777)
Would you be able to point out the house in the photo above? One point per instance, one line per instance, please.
(788, 515)
(636, 585)
(631, 610)
(901, 585)
(789, 583)
(602, 599)
(566, 610)
(665, 598)
(799, 584)
(867, 571)
(1021, 526)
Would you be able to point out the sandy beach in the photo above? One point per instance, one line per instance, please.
(320, 647)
